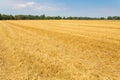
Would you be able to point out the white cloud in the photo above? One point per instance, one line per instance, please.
(37, 6)
(47, 8)
(30, 7)
(25, 5)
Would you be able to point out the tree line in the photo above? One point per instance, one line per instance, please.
(44, 17)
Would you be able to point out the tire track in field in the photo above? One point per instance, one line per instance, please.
(81, 42)
(13, 55)
(42, 38)
(94, 33)
(86, 32)
(75, 40)
(46, 52)
(1, 54)
(5, 50)
(60, 36)
(44, 43)
(7, 34)
(69, 39)
(108, 35)
(10, 58)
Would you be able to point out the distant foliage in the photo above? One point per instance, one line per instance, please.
(44, 17)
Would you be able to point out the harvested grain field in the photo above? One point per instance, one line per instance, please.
(60, 50)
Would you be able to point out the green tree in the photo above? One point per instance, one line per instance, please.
(5, 17)
(11, 17)
(109, 18)
(64, 18)
(0, 17)
(42, 17)
(20, 17)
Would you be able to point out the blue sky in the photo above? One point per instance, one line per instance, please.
(91, 8)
